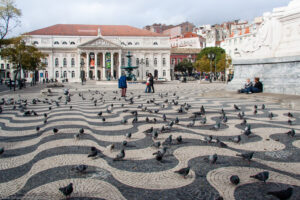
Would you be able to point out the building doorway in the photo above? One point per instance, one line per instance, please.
(91, 74)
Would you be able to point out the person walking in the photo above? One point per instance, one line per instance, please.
(123, 84)
(151, 81)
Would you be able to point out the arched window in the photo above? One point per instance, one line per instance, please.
(164, 73)
(57, 74)
(123, 61)
(72, 62)
(65, 74)
(35, 43)
(7, 66)
(129, 43)
(137, 43)
(73, 74)
(138, 73)
(155, 43)
(72, 43)
(56, 62)
(56, 42)
(155, 61)
(64, 43)
(46, 61)
(65, 62)
(147, 62)
(137, 62)
(164, 61)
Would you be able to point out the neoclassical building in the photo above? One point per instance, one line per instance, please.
(97, 52)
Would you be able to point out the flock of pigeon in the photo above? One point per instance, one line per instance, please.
(143, 109)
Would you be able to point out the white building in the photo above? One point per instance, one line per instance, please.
(98, 51)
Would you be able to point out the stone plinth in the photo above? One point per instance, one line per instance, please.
(279, 75)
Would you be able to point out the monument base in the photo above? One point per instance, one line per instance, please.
(278, 75)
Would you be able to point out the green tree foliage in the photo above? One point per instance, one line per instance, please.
(9, 17)
(203, 63)
(21, 55)
(184, 66)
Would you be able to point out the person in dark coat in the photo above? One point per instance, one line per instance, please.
(257, 88)
(151, 81)
(123, 84)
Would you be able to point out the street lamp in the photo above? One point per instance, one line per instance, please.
(211, 57)
(142, 63)
(81, 71)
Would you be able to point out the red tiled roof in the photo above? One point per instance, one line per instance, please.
(190, 35)
(92, 30)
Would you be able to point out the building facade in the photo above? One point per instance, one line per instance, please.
(97, 52)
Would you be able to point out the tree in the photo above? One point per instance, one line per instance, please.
(9, 17)
(202, 65)
(22, 56)
(184, 66)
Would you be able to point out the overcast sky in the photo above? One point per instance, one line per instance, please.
(38, 14)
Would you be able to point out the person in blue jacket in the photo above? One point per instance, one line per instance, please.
(123, 84)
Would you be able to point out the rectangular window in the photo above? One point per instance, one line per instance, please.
(7, 66)
(155, 61)
(123, 61)
(147, 62)
(137, 62)
(2, 66)
(164, 73)
(164, 61)
(173, 61)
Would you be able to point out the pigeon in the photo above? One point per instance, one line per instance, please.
(202, 110)
(128, 135)
(225, 119)
(236, 107)
(247, 132)
(150, 130)
(55, 130)
(271, 115)
(184, 171)
(37, 128)
(45, 115)
(34, 113)
(1, 150)
(112, 147)
(45, 121)
(255, 112)
(162, 151)
(159, 156)
(154, 134)
(124, 143)
(216, 127)
(93, 153)
(290, 115)
(103, 119)
(164, 117)
(176, 120)
(99, 114)
(282, 194)
(221, 144)
(67, 191)
(290, 122)
(192, 124)
(81, 131)
(291, 133)
(168, 140)
(81, 168)
(208, 138)
(171, 123)
(262, 176)
(156, 144)
(71, 107)
(213, 159)
(50, 108)
(179, 139)
(77, 136)
(203, 120)
(27, 113)
(248, 127)
(240, 116)
(234, 179)
(236, 139)
(255, 107)
(246, 156)
(124, 121)
(120, 156)
(147, 119)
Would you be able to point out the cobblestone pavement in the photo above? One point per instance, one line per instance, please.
(35, 164)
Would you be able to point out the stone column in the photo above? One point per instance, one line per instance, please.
(87, 65)
(112, 65)
(120, 64)
(103, 67)
(96, 66)
(78, 71)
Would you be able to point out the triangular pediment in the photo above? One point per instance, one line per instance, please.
(100, 42)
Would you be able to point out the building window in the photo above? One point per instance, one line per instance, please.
(123, 43)
(56, 42)
(7, 66)
(72, 43)
(56, 74)
(65, 62)
(173, 61)
(73, 74)
(137, 43)
(147, 72)
(81, 62)
(164, 61)
(155, 43)
(2, 66)
(155, 61)
(147, 62)
(35, 43)
(137, 62)
(72, 62)
(129, 43)
(123, 61)
(138, 73)
(46, 61)
(164, 73)
(64, 43)
(56, 62)
(65, 74)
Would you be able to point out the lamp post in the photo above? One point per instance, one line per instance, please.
(142, 63)
(211, 57)
(81, 71)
